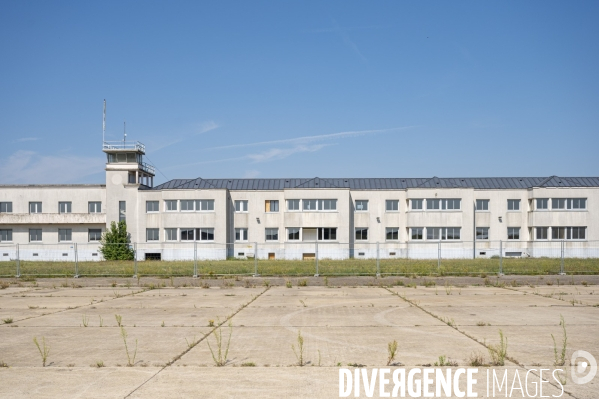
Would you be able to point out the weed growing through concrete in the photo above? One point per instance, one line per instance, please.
(4, 285)
(99, 364)
(266, 283)
(288, 284)
(248, 364)
(101, 321)
(326, 281)
(210, 323)
(444, 361)
(498, 352)
(303, 283)
(192, 343)
(8, 320)
(3, 365)
(44, 349)
(303, 303)
(162, 325)
(220, 358)
(85, 320)
(299, 353)
(119, 319)
(448, 288)
(130, 360)
(476, 359)
(391, 352)
(561, 359)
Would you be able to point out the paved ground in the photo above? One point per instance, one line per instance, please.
(339, 324)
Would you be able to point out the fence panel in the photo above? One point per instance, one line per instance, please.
(8, 260)
(581, 257)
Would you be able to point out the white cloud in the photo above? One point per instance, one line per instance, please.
(25, 139)
(28, 167)
(280, 153)
(309, 139)
(251, 174)
(202, 128)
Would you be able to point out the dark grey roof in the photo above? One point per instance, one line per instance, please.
(380, 183)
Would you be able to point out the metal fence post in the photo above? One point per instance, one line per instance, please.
(18, 263)
(195, 259)
(134, 260)
(256, 260)
(76, 262)
(500, 258)
(562, 272)
(378, 260)
(439, 256)
(316, 257)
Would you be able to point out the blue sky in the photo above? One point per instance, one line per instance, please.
(300, 89)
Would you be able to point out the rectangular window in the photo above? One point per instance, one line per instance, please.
(578, 233)
(482, 233)
(170, 234)
(577, 203)
(392, 233)
(5, 235)
(271, 206)
(152, 235)
(443, 233)
(94, 207)
(94, 235)
(170, 205)
(542, 233)
(417, 233)
(293, 205)
(392, 205)
(65, 235)
(451, 204)
(482, 205)
(151, 206)
(433, 204)
(443, 204)
(513, 233)
(187, 234)
(122, 211)
(361, 205)
(35, 235)
(293, 233)
(513, 205)
(35, 207)
(453, 233)
(361, 233)
(568, 233)
(204, 205)
(558, 203)
(5, 207)
(241, 234)
(205, 234)
(327, 204)
(416, 204)
(327, 233)
(310, 204)
(542, 203)
(64, 207)
(187, 205)
(272, 234)
(241, 206)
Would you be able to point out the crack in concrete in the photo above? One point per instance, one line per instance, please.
(190, 347)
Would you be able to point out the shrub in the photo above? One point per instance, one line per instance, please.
(115, 243)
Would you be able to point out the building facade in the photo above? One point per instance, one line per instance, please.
(295, 218)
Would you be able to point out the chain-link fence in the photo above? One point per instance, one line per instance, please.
(301, 258)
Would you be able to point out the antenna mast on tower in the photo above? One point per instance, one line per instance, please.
(104, 124)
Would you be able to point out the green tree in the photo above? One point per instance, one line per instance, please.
(115, 243)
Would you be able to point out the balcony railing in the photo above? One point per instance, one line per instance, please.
(123, 145)
(147, 167)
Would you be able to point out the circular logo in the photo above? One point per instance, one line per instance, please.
(577, 372)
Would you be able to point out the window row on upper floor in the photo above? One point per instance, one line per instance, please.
(63, 207)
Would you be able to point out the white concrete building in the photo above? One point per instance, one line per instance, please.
(295, 218)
